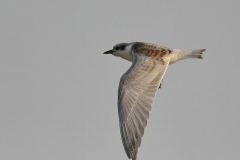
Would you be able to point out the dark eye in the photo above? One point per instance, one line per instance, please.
(117, 48)
(122, 47)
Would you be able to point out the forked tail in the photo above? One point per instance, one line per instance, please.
(178, 55)
(196, 54)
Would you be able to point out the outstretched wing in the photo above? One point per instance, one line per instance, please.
(137, 89)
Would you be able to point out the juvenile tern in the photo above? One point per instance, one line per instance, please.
(138, 86)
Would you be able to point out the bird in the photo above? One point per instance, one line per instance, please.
(139, 84)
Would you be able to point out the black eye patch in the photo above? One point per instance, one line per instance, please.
(122, 47)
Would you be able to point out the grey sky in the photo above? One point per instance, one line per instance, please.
(59, 92)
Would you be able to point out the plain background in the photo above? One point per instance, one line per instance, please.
(58, 92)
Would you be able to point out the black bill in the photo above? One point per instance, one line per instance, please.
(109, 52)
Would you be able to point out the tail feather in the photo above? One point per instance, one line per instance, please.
(180, 54)
(196, 54)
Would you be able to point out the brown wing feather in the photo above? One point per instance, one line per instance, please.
(151, 50)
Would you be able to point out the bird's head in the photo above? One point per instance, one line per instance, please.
(123, 50)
